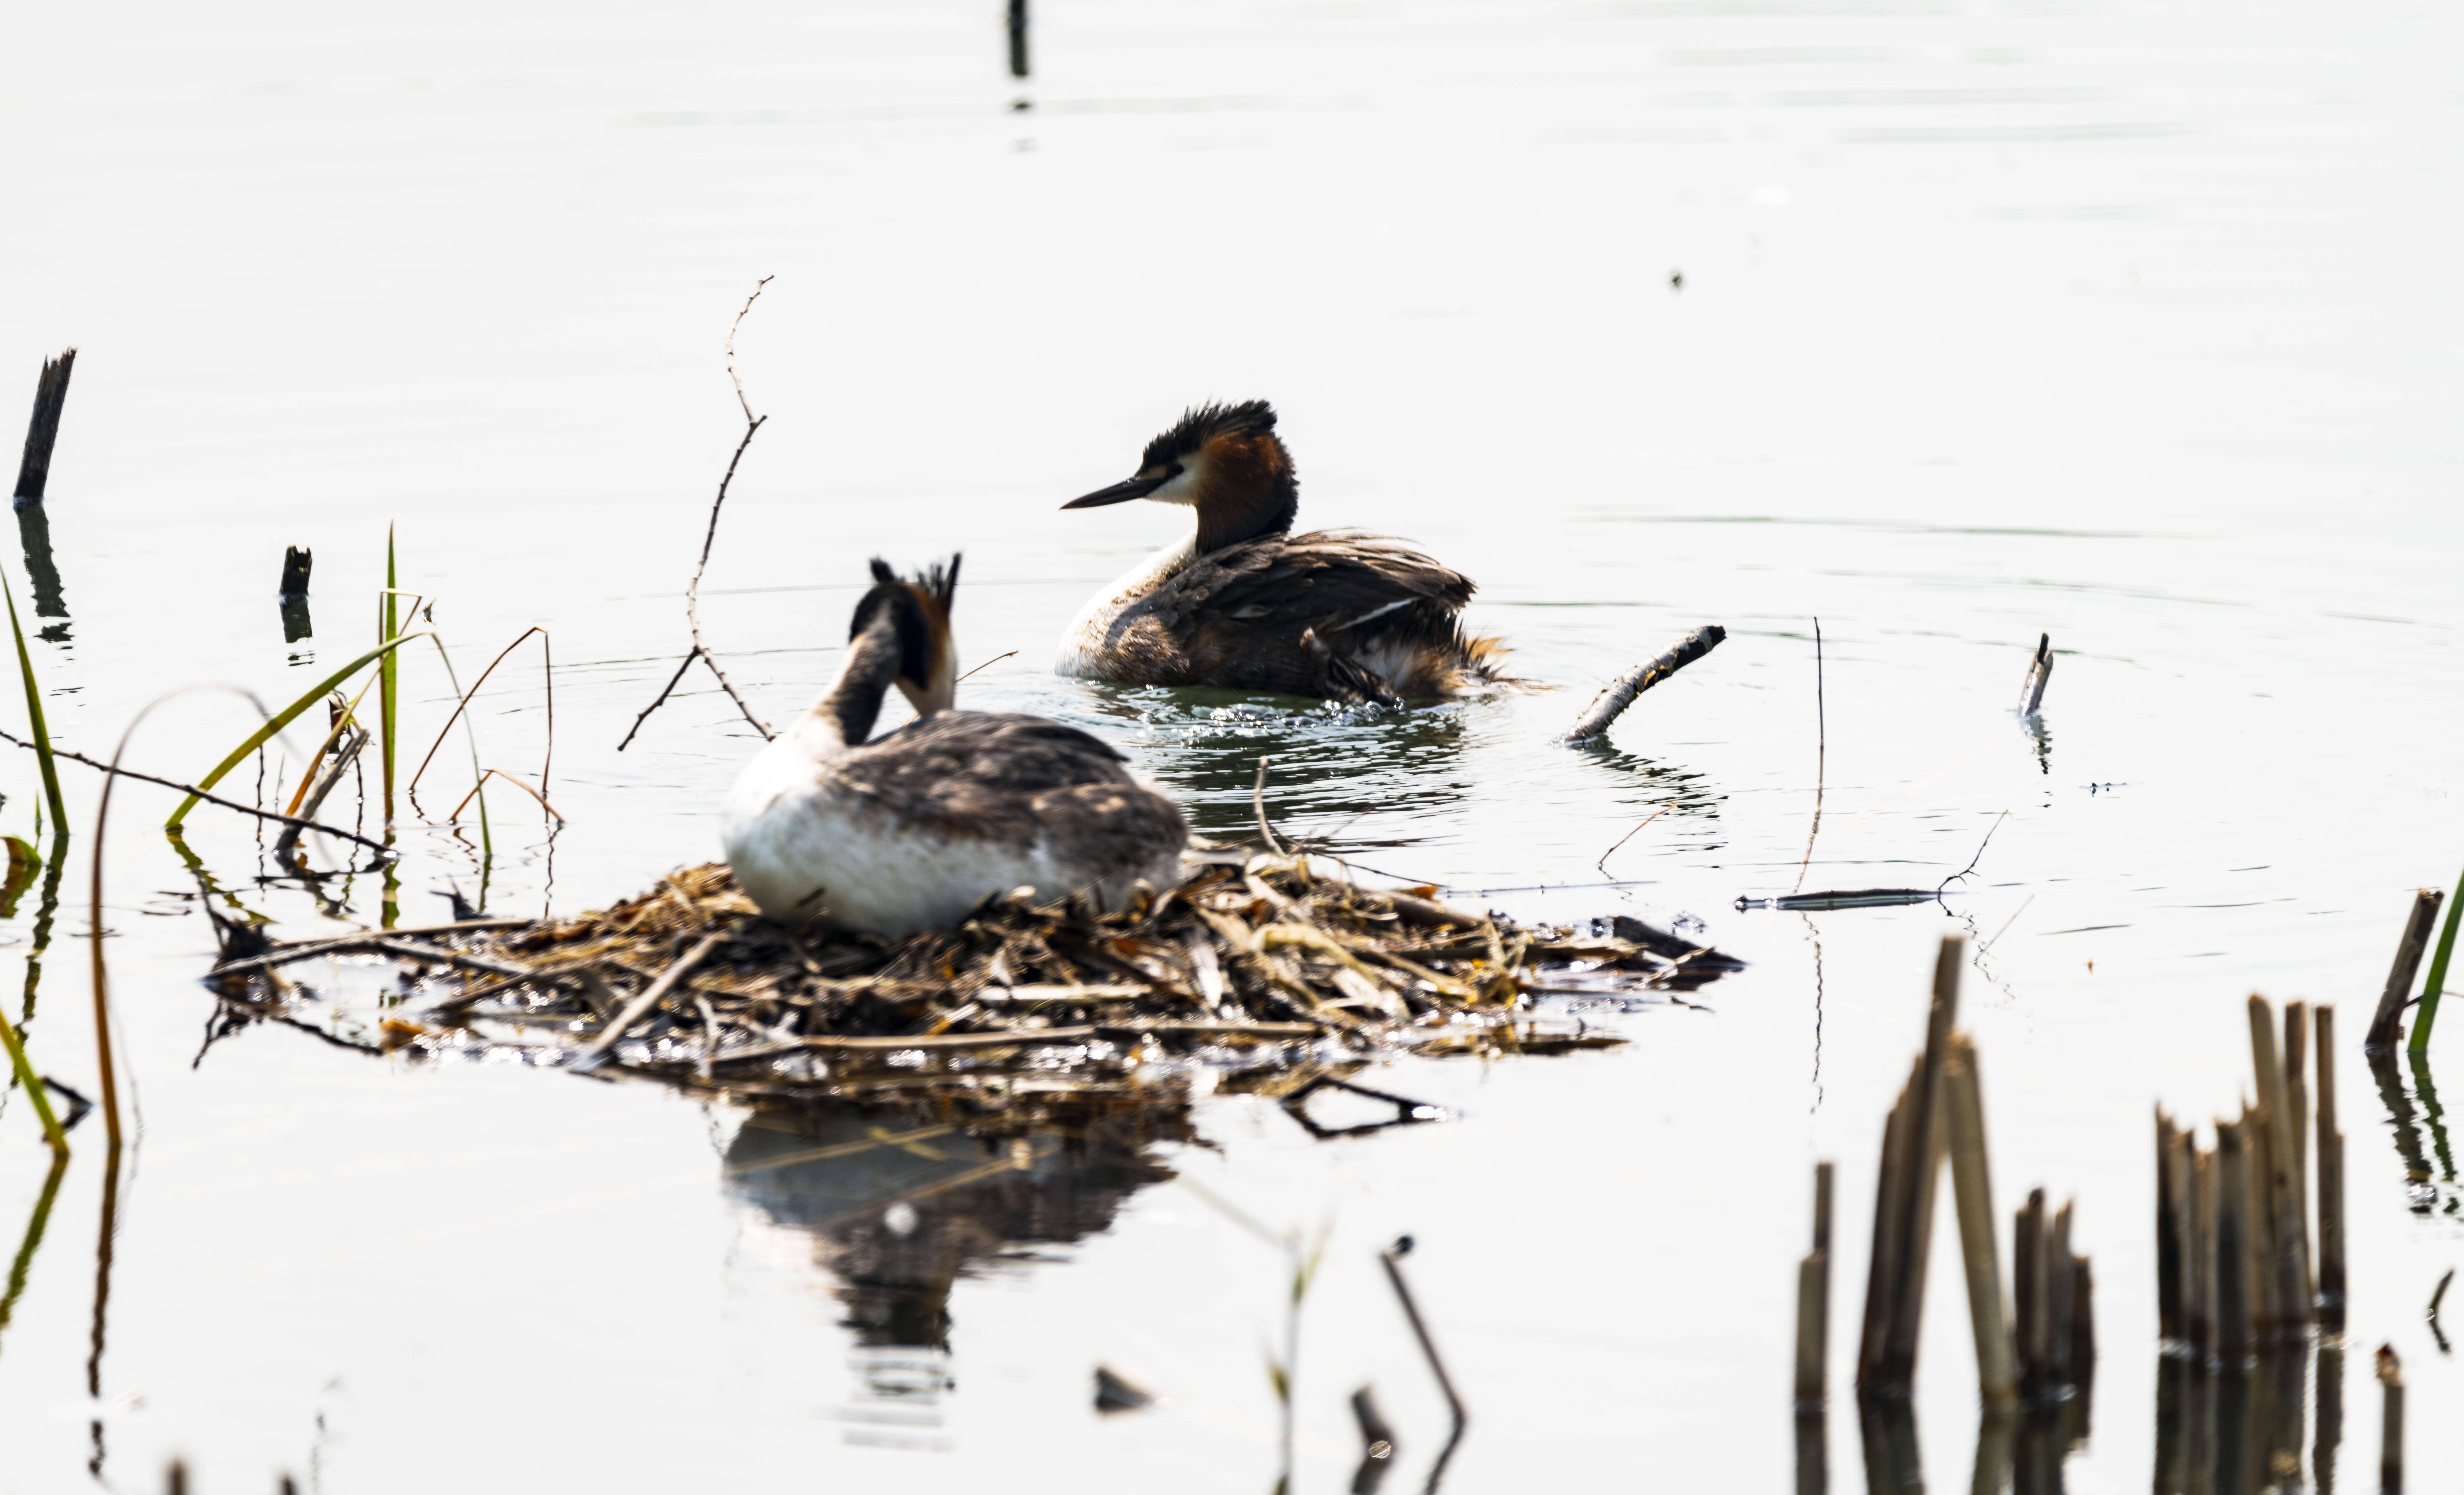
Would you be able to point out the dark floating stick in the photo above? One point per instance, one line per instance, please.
(1018, 38)
(2040, 669)
(2386, 1025)
(1622, 691)
(1117, 1393)
(1856, 899)
(50, 395)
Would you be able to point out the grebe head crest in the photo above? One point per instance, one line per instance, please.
(917, 609)
(1223, 460)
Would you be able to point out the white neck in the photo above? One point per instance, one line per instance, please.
(1083, 645)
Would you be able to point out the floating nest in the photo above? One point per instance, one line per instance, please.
(1262, 971)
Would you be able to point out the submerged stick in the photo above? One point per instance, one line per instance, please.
(51, 397)
(2041, 671)
(1392, 1259)
(2386, 1025)
(1622, 691)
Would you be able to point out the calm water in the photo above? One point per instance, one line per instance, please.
(2132, 324)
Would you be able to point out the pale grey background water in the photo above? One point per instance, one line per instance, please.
(2132, 323)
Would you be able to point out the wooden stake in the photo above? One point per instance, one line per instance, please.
(2203, 1252)
(2386, 1025)
(2061, 1279)
(2027, 1293)
(2172, 1255)
(1018, 38)
(2331, 1181)
(2296, 1105)
(1882, 1262)
(2391, 1421)
(1813, 1303)
(1925, 1150)
(2232, 1247)
(2082, 1344)
(1971, 1183)
(50, 395)
(2288, 1230)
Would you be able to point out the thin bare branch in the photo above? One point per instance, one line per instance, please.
(987, 664)
(664, 693)
(210, 798)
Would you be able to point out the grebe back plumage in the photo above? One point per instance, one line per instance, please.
(915, 828)
(1245, 604)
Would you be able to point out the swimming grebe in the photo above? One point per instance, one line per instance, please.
(1247, 603)
(915, 828)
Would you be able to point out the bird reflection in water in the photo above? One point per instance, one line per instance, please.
(1203, 747)
(901, 1204)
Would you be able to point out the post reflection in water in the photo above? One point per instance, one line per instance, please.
(2427, 1190)
(2240, 1431)
(35, 533)
(900, 1205)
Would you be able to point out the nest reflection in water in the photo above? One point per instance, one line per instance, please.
(924, 1104)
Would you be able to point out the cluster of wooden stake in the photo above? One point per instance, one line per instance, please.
(2043, 1353)
(2234, 1263)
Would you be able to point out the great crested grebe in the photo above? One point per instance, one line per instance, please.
(915, 828)
(1247, 603)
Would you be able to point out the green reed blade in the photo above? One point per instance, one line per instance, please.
(2437, 982)
(388, 700)
(284, 717)
(42, 734)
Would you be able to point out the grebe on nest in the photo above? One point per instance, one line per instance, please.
(915, 828)
(1244, 602)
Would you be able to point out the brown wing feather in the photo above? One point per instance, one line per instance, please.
(1329, 613)
(1013, 778)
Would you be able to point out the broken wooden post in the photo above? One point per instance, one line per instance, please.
(1972, 1187)
(2331, 1181)
(2040, 669)
(2386, 1025)
(1813, 1303)
(1018, 38)
(292, 595)
(1622, 691)
(2201, 1310)
(50, 395)
(2173, 1247)
(1882, 1262)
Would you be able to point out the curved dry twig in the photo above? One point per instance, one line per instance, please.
(463, 704)
(498, 773)
(987, 664)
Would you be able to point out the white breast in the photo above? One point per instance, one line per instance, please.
(804, 851)
(1085, 646)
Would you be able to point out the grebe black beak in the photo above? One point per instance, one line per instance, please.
(1122, 491)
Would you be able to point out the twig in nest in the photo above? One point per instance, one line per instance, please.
(692, 590)
(1258, 803)
(1602, 863)
(1822, 759)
